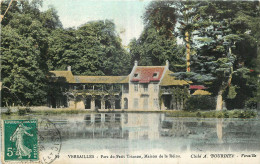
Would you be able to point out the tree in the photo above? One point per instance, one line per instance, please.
(21, 73)
(219, 34)
(23, 46)
(157, 42)
(92, 49)
(222, 31)
(34, 42)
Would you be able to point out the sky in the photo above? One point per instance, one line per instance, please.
(126, 14)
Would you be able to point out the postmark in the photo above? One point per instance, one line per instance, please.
(20, 140)
(49, 141)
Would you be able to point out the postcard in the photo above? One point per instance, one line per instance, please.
(130, 81)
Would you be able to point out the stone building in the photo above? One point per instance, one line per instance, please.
(145, 88)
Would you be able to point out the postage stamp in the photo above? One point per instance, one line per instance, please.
(20, 140)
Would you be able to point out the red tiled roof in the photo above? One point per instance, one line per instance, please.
(145, 74)
(197, 87)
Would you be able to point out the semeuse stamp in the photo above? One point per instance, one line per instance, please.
(20, 140)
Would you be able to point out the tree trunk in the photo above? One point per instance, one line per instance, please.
(187, 51)
(219, 105)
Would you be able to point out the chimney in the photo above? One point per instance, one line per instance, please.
(69, 68)
(167, 64)
(136, 62)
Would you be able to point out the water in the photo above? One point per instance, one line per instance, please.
(135, 133)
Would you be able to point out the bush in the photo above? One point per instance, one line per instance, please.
(200, 102)
(28, 110)
(21, 111)
(243, 114)
(220, 115)
(8, 112)
(198, 114)
(226, 115)
(251, 104)
(235, 114)
(214, 114)
(249, 114)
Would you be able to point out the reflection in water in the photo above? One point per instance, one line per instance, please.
(219, 130)
(152, 130)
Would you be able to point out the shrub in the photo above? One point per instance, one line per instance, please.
(241, 114)
(236, 114)
(8, 112)
(21, 111)
(214, 114)
(198, 114)
(249, 114)
(28, 110)
(251, 103)
(244, 114)
(226, 115)
(220, 115)
(200, 102)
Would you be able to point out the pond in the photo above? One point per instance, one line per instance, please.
(154, 133)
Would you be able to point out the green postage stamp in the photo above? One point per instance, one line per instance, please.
(20, 140)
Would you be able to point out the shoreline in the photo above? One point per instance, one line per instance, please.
(25, 111)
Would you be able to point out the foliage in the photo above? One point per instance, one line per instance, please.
(199, 103)
(8, 112)
(214, 114)
(179, 96)
(232, 92)
(23, 45)
(157, 42)
(224, 37)
(21, 111)
(251, 103)
(92, 49)
(33, 42)
(225, 45)
(21, 69)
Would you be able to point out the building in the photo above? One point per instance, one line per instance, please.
(145, 88)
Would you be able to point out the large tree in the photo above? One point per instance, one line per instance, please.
(33, 42)
(92, 49)
(157, 42)
(25, 30)
(22, 78)
(220, 35)
(226, 48)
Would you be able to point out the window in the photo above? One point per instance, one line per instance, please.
(136, 87)
(145, 104)
(155, 103)
(125, 88)
(145, 87)
(155, 87)
(135, 103)
(136, 75)
(155, 74)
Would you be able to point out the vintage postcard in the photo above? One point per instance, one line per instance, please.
(130, 81)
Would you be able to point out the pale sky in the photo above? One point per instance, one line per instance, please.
(126, 14)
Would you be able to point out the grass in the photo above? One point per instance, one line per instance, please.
(214, 114)
(27, 111)
(23, 111)
(60, 111)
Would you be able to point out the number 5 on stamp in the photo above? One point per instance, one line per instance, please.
(20, 141)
